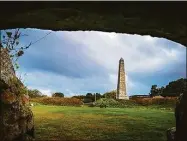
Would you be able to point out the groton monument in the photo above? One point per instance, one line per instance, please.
(121, 86)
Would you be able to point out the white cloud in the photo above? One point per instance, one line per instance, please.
(44, 91)
(141, 53)
(48, 83)
(47, 92)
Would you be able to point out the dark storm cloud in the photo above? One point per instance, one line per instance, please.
(58, 55)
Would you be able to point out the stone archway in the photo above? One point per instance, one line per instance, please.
(160, 19)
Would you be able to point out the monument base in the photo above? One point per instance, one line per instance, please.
(123, 97)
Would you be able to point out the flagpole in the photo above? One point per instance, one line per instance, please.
(95, 97)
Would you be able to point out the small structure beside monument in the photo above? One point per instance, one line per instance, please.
(121, 86)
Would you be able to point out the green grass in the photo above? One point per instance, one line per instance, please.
(92, 123)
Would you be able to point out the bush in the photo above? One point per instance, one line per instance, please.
(119, 103)
(111, 94)
(128, 103)
(58, 101)
(167, 101)
(104, 102)
(13, 91)
(102, 106)
(87, 100)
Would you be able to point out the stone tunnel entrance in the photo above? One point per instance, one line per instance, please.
(121, 17)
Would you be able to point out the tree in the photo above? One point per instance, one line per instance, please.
(160, 90)
(175, 88)
(154, 91)
(90, 97)
(98, 96)
(58, 94)
(34, 93)
(81, 97)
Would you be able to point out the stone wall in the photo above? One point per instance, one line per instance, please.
(7, 69)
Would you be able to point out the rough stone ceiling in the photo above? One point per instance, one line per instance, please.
(158, 19)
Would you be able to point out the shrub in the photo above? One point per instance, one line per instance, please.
(58, 101)
(111, 94)
(167, 101)
(127, 103)
(102, 106)
(87, 100)
(158, 102)
(108, 103)
(13, 91)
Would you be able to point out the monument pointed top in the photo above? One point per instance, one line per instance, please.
(121, 58)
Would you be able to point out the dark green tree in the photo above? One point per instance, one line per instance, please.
(160, 90)
(175, 88)
(81, 97)
(98, 96)
(58, 94)
(154, 91)
(90, 97)
(34, 93)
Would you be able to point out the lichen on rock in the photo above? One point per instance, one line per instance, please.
(16, 117)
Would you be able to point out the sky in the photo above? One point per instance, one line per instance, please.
(80, 62)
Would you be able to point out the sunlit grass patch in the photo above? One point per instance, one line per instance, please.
(93, 123)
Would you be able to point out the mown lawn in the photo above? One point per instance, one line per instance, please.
(91, 123)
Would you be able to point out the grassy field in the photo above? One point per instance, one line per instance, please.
(91, 123)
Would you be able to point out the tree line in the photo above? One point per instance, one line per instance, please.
(89, 97)
(173, 89)
(36, 93)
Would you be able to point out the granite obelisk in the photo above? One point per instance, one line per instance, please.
(121, 86)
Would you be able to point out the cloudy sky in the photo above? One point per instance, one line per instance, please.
(81, 62)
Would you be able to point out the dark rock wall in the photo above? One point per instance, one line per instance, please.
(16, 117)
(158, 19)
(179, 133)
(181, 118)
